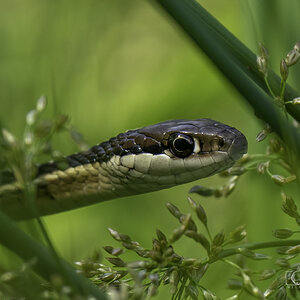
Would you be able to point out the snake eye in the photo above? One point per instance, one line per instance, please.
(181, 145)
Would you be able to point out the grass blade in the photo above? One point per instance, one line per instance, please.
(13, 238)
(214, 40)
(195, 20)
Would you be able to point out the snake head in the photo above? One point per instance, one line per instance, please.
(180, 151)
(147, 159)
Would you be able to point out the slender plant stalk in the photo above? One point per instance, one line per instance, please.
(189, 15)
(30, 198)
(13, 238)
(195, 20)
(254, 246)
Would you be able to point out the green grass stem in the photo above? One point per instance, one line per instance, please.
(255, 246)
(202, 27)
(13, 238)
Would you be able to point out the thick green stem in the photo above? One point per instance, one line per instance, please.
(195, 20)
(212, 37)
(12, 237)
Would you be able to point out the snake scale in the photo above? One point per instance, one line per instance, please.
(138, 161)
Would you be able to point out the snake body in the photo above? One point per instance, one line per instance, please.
(135, 162)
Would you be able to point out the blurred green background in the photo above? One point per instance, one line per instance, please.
(118, 65)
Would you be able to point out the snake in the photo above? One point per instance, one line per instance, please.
(137, 161)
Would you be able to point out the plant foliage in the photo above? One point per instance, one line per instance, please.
(273, 100)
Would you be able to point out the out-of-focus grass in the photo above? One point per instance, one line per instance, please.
(112, 67)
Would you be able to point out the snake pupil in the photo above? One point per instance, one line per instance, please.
(181, 145)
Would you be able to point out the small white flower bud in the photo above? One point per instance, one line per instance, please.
(284, 70)
(8, 137)
(292, 57)
(296, 100)
(297, 46)
(41, 104)
(31, 117)
(263, 51)
(262, 64)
